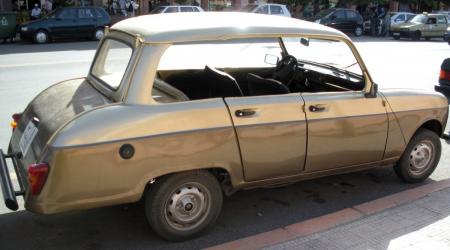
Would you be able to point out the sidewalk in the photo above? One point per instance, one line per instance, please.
(421, 224)
(418, 218)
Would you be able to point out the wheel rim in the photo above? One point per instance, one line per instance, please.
(99, 34)
(358, 31)
(188, 206)
(41, 37)
(421, 157)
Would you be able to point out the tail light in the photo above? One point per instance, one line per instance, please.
(37, 175)
(444, 75)
(15, 121)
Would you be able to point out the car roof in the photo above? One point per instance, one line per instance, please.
(203, 26)
(179, 6)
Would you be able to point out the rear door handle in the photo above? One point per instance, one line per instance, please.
(244, 112)
(314, 108)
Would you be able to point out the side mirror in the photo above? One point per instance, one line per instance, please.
(373, 91)
(304, 41)
(271, 59)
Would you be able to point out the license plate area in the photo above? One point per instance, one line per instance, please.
(27, 137)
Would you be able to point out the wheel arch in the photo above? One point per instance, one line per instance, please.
(433, 125)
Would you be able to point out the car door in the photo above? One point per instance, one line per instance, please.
(338, 20)
(441, 26)
(271, 131)
(352, 20)
(430, 26)
(344, 129)
(87, 21)
(65, 24)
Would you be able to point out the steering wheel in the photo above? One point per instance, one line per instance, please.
(285, 69)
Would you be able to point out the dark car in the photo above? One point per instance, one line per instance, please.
(70, 22)
(444, 78)
(345, 20)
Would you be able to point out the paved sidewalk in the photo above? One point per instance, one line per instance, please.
(419, 224)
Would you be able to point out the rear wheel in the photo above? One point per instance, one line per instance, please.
(420, 158)
(358, 31)
(99, 33)
(41, 36)
(182, 206)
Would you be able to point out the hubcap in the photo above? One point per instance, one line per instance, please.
(358, 31)
(421, 157)
(98, 34)
(188, 206)
(41, 37)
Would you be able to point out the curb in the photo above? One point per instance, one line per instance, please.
(328, 221)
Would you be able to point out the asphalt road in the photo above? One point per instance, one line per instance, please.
(26, 69)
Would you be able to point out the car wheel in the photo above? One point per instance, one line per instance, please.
(420, 158)
(358, 31)
(99, 33)
(181, 206)
(416, 36)
(396, 37)
(41, 36)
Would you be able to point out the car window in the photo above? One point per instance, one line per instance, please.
(158, 10)
(171, 10)
(431, 20)
(441, 20)
(340, 14)
(196, 9)
(86, 13)
(327, 52)
(98, 13)
(276, 10)
(67, 14)
(400, 18)
(263, 9)
(410, 16)
(111, 63)
(351, 15)
(186, 9)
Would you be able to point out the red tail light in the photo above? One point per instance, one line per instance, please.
(37, 175)
(16, 118)
(444, 75)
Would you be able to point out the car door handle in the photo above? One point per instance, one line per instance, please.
(244, 112)
(314, 108)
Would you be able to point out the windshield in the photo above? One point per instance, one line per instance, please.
(249, 8)
(324, 13)
(112, 62)
(158, 10)
(419, 19)
(327, 53)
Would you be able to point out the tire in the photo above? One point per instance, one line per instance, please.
(396, 37)
(358, 31)
(420, 157)
(166, 218)
(416, 36)
(41, 36)
(99, 34)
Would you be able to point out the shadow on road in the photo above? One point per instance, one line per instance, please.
(28, 47)
(244, 214)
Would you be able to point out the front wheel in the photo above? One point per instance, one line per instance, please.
(182, 206)
(99, 33)
(420, 158)
(41, 36)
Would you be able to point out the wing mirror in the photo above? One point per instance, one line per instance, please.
(373, 91)
(304, 41)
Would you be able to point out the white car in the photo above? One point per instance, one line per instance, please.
(401, 17)
(270, 9)
(176, 8)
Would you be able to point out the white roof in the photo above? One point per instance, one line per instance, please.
(200, 26)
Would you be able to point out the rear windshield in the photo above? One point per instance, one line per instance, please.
(112, 62)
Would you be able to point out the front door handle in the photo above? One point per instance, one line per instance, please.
(244, 112)
(314, 108)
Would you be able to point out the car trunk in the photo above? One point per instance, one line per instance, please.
(48, 112)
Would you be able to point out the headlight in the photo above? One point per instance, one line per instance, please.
(24, 29)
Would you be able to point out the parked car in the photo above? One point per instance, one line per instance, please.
(269, 8)
(423, 25)
(176, 8)
(179, 115)
(444, 78)
(345, 20)
(70, 22)
(401, 17)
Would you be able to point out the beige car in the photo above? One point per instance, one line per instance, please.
(182, 109)
(422, 26)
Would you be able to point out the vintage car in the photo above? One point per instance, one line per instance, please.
(421, 26)
(181, 109)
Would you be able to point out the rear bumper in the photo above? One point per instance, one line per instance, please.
(9, 194)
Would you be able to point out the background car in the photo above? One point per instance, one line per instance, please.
(424, 25)
(444, 78)
(345, 20)
(270, 9)
(401, 17)
(71, 22)
(174, 9)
